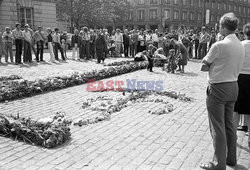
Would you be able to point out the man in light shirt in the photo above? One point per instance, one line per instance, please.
(57, 42)
(155, 38)
(118, 41)
(8, 42)
(223, 63)
(203, 40)
(18, 37)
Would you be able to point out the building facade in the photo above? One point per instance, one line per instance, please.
(170, 14)
(33, 12)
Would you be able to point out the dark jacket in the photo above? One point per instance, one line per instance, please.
(75, 39)
(100, 42)
(126, 39)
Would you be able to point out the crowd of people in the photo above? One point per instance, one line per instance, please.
(225, 55)
(98, 43)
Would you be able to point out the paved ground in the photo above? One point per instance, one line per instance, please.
(48, 69)
(132, 139)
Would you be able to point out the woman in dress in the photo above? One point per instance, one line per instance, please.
(242, 105)
(182, 55)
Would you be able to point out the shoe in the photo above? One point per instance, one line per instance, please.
(231, 164)
(242, 128)
(209, 166)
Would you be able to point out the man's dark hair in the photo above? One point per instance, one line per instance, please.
(246, 30)
(229, 21)
(56, 29)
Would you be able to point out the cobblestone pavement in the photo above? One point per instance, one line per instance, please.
(48, 69)
(132, 139)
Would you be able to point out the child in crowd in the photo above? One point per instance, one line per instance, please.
(111, 48)
(150, 56)
(64, 47)
(171, 66)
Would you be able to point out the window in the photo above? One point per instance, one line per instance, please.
(230, 7)
(26, 16)
(224, 6)
(199, 3)
(184, 2)
(218, 6)
(153, 1)
(184, 15)
(199, 16)
(212, 18)
(152, 13)
(167, 13)
(191, 16)
(176, 2)
(192, 3)
(235, 8)
(140, 15)
(218, 18)
(129, 16)
(167, 1)
(240, 9)
(176, 15)
(213, 5)
(140, 2)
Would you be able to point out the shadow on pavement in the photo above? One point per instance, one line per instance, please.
(243, 148)
(189, 74)
(240, 167)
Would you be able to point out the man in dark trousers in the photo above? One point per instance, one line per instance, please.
(57, 42)
(223, 62)
(126, 42)
(40, 39)
(100, 44)
(18, 37)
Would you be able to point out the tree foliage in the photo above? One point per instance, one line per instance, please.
(92, 13)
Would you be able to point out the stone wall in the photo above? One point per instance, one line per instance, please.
(8, 13)
(44, 13)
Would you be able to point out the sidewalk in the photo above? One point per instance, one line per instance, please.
(47, 69)
(132, 139)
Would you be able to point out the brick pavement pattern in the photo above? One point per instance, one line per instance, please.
(48, 69)
(131, 139)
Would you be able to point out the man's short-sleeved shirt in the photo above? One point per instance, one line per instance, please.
(226, 58)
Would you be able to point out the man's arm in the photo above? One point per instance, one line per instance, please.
(210, 57)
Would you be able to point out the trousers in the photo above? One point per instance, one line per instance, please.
(220, 102)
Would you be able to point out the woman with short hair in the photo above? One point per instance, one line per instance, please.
(242, 106)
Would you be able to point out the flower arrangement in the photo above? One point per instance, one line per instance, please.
(10, 90)
(107, 105)
(46, 132)
(11, 77)
(158, 62)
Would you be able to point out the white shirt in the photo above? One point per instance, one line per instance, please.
(27, 35)
(226, 58)
(118, 38)
(155, 37)
(245, 69)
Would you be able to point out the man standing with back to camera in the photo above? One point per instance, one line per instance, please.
(223, 62)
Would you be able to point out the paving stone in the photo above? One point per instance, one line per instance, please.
(131, 139)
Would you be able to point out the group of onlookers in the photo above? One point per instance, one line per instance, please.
(26, 41)
(98, 43)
